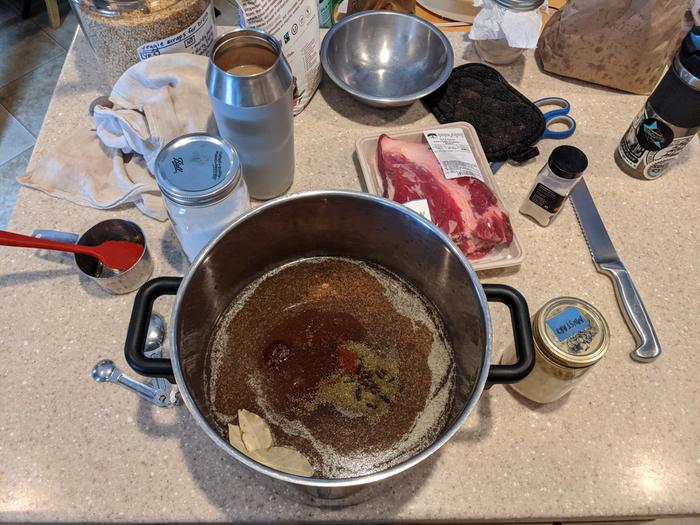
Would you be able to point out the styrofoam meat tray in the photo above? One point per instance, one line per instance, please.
(366, 148)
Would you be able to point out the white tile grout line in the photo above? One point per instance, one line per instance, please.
(64, 52)
(52, 38)
(31, 19)
(20, 153)
(71, 12)
(20, 124)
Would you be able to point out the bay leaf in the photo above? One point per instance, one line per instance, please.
(255, 431)
(235, 438)
(258, 432)
(285, 459)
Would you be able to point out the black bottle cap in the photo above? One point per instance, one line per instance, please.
(567, 162)
(689, 54)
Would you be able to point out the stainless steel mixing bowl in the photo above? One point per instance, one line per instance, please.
(386, 59)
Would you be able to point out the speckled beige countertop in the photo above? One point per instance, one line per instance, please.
(625, 443)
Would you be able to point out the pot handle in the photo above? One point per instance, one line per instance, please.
(138, 328)
(522, 332)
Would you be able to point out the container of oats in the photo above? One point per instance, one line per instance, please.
(570, 337)
(123, 32)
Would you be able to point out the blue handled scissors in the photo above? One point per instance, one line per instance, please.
(555, 116)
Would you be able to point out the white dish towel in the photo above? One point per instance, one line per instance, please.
(153, 102)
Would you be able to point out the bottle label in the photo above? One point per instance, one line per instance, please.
(453, 152)
(653, 134)
(546, 198)
(197, 39)
(651, 144)
(294, 23)
(568, 323)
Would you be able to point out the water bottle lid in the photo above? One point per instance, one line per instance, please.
(689, 54)
(197, 169)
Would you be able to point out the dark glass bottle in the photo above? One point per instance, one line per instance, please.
(670, 118)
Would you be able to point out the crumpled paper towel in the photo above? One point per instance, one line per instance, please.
(153, 102)
(494, 22)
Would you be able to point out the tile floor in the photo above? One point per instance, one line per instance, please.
(32, 56)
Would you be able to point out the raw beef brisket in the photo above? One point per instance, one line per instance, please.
(464, 208)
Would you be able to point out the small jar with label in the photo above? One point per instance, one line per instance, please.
(200, 178)
(570, 337)
(554, 182)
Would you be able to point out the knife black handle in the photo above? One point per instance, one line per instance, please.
(648, 347)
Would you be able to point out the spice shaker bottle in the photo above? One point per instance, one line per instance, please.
(200, 178)
(251, 87)
(123, 32)
(669, 119)
(570, 337)
(554, 182)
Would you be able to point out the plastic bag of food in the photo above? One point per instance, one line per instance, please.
(295, 24)
(624, 44)
(405, 6)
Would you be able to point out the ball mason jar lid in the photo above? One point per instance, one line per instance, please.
(571, 332)
(197, 169)
(520, 5)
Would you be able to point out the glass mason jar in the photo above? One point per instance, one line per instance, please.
(570, 337)
(498, 51)
(123, 32)
(200, 178)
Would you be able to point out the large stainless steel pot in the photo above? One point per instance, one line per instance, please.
(333, 223)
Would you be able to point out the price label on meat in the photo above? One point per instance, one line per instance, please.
(197, 39)
(420, 206)
(453, 152)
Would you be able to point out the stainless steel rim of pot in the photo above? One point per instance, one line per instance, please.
(346, 482)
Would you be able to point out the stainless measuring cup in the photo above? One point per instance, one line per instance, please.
(113, 281)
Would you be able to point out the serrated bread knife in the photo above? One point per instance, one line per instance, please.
(608, 262)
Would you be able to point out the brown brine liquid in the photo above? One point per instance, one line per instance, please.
(347, 363)
(245, 70)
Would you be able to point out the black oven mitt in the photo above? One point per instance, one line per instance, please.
(507, 123)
